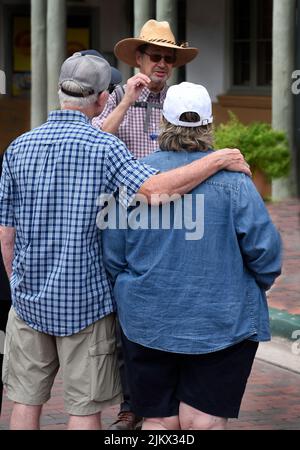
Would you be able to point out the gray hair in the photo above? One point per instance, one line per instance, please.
(77, 102)
(177, 138)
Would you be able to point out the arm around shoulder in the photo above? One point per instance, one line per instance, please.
(183, 179)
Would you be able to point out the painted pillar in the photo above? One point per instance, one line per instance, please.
(38, 62)
(284, 23)
(56, 47)
(167, 10)
(142, 13)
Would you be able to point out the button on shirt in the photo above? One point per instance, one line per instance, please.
(138, 133)
(52, 177)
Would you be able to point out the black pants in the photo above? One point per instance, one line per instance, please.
(4, 310)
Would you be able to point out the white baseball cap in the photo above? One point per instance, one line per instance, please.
(187, 97)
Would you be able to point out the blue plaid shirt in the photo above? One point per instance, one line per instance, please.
(52, 177)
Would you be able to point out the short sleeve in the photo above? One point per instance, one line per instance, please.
(125, 172)
(6, 195)
(111, 104)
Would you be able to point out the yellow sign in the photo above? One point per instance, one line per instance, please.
(21, 44)
(77, 39)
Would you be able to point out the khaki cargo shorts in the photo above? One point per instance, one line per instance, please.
(87, 360)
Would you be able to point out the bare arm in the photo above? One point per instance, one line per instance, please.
(7, 237)
(133, 90)
(183, 179)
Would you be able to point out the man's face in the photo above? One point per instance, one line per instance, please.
(159, 72)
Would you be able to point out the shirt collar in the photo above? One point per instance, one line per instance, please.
(68, 115)
(146, 94)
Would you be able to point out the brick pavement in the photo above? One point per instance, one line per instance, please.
(271, 402)
(285, 294)
(272, 398)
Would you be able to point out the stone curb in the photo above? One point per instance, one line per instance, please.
(284, 324)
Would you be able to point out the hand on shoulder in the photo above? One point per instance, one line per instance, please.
(233, 160)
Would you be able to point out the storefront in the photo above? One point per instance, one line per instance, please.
(235, 40)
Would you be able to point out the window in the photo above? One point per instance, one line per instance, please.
(181, 34)
(251, 45)
(78, 32)
(80, 29)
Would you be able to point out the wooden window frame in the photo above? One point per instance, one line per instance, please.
(253, 88)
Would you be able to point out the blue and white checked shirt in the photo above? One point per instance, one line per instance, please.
(52, 177)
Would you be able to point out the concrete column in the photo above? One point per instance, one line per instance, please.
(142, 13)
(56, 47)
(126, 70)
(284, 23)
(38, 62)
(167, 10)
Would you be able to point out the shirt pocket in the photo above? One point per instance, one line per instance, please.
(105, 377)
(7, 350)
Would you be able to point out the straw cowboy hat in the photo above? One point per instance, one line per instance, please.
(156, 33)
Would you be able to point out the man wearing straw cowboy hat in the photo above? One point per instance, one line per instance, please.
(135, 117)
(134, 113)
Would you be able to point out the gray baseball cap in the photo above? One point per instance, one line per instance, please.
(116, 76)
(89, 73)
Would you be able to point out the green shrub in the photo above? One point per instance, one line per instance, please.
(264, 148)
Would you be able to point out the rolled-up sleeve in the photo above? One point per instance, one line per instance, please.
(6, 195)
(259, 240)
(125, 172)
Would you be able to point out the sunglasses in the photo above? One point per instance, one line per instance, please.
(111, 88)
(156, 57)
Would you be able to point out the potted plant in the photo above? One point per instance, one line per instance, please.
(265, 149)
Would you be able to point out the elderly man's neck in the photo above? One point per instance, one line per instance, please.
(90, 112)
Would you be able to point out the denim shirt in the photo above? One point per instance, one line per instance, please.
(198, 295)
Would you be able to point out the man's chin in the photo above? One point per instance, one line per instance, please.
(159, 80)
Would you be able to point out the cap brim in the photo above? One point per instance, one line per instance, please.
(125, 50)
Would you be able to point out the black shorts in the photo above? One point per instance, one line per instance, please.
(213, 383)
(5, 306)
